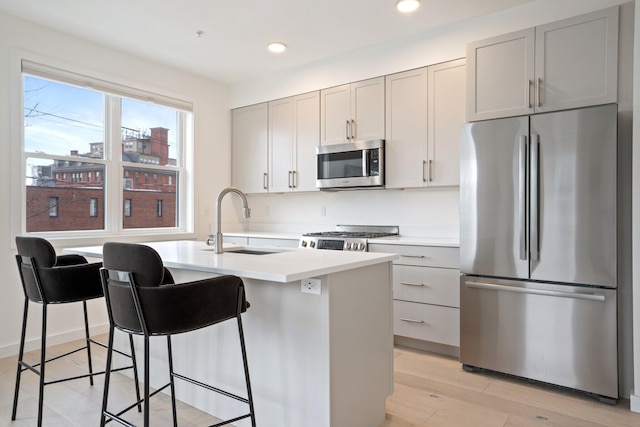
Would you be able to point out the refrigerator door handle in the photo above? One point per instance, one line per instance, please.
(522, 196)
(535, 198)
(573, 295)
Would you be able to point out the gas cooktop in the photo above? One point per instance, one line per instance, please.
(347, 237)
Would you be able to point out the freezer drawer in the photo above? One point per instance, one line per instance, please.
(564, 335)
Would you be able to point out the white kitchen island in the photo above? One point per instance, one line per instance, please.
(315, 360)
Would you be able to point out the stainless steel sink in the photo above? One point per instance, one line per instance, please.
(250, 250)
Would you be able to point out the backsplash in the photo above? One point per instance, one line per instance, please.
(418, 212)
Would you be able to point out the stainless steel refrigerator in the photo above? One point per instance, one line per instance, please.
(538, 248)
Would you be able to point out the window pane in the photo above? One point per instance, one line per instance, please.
(62, 119)
(149, 133)
(55, 203)
(156, 202)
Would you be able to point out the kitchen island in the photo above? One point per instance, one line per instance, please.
(315, 360)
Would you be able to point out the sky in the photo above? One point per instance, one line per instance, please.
(59, 118)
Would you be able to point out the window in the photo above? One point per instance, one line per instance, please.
(67, 118)
(93, 207)
(53, 207)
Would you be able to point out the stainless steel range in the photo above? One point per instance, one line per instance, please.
(347, 237)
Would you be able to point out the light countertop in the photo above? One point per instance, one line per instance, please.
(284, 266)
(399, 240)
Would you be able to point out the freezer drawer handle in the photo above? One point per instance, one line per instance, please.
(412, 256)
(492, 287)
(411, 320)
(411, 284)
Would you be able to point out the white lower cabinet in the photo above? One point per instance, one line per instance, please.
(426, 292)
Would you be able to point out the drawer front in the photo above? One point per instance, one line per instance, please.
(439, 286)
(235, 239)
(427, 322)
(426, 256)
(282, 243)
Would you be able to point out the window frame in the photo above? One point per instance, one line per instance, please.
(21, 63)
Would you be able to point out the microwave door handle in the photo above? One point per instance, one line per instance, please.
(365, 162)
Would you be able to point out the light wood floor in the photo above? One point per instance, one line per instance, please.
(430, 390)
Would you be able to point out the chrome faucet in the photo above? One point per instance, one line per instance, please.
(246, 212)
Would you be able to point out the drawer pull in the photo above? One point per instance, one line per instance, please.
(411, 284)
(413, 256)
(411, 320)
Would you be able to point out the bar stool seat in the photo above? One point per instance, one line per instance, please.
(140, 302)
(50, 279)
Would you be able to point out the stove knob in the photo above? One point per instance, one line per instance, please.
(352, 246)
(312, 244)
(361, 247)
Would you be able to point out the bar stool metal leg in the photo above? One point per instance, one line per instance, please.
(171, 382)
(20, 356)
(87, 341)
(43, 359)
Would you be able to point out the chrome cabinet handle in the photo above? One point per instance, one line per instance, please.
(572, 295)
(538, 96)
(412, 256)
(264, 180)
(294, 181)
(411, 284)
(528, 91)
(534, 232)
(430, 170)
(411, 320)
(290, 179)
(522, 196)
(424, 171)
(353, 129)
(347, 130)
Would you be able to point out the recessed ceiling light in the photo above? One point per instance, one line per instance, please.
(277, 47)
(407, 6)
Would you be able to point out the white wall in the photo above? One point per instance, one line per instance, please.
(212, 135)
(435, 212)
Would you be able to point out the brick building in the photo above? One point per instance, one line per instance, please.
(69, 195)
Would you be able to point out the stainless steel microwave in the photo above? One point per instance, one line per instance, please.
(352, 165)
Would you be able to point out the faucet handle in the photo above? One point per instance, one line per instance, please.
(211, 240)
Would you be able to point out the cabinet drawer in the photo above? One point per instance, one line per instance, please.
(426, 256)
(284, 243)
(427, 322)
(439, 286)
(238, 240)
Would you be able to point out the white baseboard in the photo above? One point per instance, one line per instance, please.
(34, 343)
(635, 403)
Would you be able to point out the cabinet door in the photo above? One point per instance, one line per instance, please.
(249, 151)
(576, 61)
(307, 137)
(406, 130)
(335, 114)
(367, 109)
(500, 76)
(446, 114)
(281, 142)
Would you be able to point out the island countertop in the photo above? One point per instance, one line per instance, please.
(284, 266)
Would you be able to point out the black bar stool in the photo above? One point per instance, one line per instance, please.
(138, 303)
(50, 279)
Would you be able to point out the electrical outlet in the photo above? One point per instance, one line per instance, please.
(311, 286)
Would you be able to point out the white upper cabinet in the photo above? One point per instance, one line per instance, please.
(447, 106)
(249, 151)
(577, 61)
(294, 130)
(566, 64)
(425, 109)
(352, 112)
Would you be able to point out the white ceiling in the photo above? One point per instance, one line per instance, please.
(232, 47)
